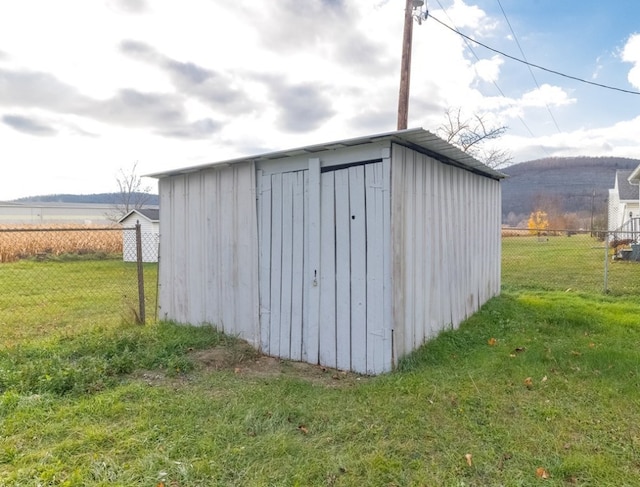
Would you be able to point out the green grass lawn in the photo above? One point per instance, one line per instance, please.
(537, 384)
(563, 263)
(39, 299)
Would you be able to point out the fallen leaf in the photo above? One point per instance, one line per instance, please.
(528, 382)
(303, 429)
(544, 379)
(512, 355)
(541, 473)
(468, 457)
(492, 342)
(519, 349)
(591, 345)
(236, 370)
(575, 354)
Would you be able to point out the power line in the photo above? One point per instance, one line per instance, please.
(466, 40)
(600, 85)
(515, 38)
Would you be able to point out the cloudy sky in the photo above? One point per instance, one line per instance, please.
(90, 87)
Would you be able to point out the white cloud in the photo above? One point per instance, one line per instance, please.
(489, 69)
(171, 84)
(618, 140)
(469, 16)
(546, 95)
(631, 54)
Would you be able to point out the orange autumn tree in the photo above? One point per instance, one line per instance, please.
(538, 222)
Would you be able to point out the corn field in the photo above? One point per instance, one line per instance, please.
(30, 241)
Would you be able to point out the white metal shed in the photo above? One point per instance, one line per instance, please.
(149, 221)
(348, 254)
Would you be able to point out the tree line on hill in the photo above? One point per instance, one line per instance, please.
(572, 191)
(99, 198)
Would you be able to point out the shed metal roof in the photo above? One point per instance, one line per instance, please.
(417, 138)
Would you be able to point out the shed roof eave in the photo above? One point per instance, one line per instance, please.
(416, 138)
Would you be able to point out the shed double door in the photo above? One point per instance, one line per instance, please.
(322, 267)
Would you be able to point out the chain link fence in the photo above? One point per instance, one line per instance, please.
(62, 277)
(593, 262)
(65, 277)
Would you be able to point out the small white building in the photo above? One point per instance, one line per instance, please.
(149, 232)
(624, 201)
(349, 254)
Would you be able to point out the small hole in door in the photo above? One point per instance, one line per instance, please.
(353, 217)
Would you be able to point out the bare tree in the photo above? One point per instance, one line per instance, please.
(472, 136)
(132, 194)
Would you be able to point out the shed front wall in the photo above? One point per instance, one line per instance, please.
(208, 249)
(324, 266)
(446, 245)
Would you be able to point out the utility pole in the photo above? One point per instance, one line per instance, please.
(405, 68)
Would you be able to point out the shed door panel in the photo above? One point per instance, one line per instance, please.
(352, 334)
(282, 251)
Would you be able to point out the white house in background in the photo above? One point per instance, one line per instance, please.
(149, 230)
(347, 254)
(624, 201)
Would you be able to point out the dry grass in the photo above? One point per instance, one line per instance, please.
(515, 232)
(24, 241)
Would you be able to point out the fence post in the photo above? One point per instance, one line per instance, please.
(606, 262)
(141, 305)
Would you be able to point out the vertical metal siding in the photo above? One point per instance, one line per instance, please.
(343, 270)
(208, 269)
(446, 239)
(327, 283)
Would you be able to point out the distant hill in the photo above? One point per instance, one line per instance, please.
(570, 181)
(101, 198)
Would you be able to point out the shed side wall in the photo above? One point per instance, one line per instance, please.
(208, 250)
(446, 245)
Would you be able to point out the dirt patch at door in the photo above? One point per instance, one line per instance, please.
(242, 359)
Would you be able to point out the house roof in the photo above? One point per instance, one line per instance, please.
(151, 214)
(418, 139)
(625, 190)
